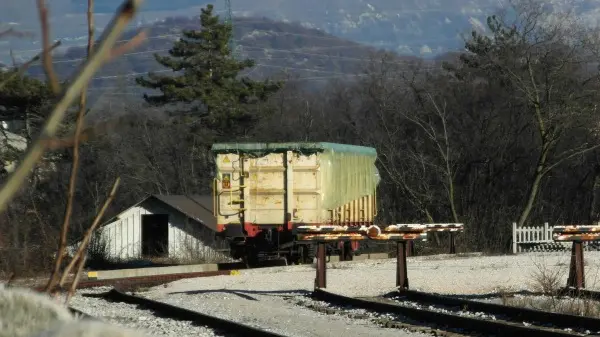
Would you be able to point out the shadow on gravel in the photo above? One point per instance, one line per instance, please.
(245, 294)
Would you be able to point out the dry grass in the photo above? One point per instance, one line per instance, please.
(563, 305)
(550, 279)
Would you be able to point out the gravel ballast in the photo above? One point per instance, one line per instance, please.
(444, 274)
(268, 297)
(275, 298)
(279, 312)
(130, 316)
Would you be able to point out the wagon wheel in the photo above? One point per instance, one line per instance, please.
(306, 253)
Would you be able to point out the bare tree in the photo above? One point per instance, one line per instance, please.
(543, 56)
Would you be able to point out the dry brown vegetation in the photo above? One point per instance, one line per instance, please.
(65, 97)
(549, 280)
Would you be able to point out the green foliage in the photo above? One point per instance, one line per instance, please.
(21, 95)
(208, 82)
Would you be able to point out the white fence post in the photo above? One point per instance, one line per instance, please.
(514, 237)
(530, 235)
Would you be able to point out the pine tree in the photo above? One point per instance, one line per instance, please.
(208, 82)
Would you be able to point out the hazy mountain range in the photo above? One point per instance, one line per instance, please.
(415, 27)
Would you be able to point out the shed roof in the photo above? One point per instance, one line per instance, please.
(197, 207)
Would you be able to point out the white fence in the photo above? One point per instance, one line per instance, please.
(539, 238)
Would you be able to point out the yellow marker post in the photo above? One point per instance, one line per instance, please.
(234, 272)
(92, 275)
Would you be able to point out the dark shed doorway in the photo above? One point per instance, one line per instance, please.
(155, 235)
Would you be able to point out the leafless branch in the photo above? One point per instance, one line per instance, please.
(568, 155)
(88, 234)
(47, 56)
(26, 65)
(87, 70)
(137, 40)
(76, 279)
(75, 166)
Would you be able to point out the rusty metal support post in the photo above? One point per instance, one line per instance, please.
(452, 243)
(401, 270)
(321, 279)
(409, 248)
(576, 271)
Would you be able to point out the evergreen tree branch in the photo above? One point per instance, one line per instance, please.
(26, 65)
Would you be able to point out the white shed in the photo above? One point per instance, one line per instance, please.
(166, 226)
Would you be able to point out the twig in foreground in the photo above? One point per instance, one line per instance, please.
(88, 69)
(76, 279)
(75, 166)
(47, 59)
(88, 234)
(137, 40)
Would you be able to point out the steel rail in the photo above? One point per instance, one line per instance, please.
(178, 313)
(580, 293)
(141, 281)
(428, 317)
(509, 312)
(77, 312)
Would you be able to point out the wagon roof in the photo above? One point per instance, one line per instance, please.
(302, 147)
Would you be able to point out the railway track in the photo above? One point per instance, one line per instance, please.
(81, 314)
(458, 316)
(581, 293)
(128, 283)
(445, 315)
(223, 326)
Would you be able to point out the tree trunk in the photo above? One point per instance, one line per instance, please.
(534, 189)
(594, 215)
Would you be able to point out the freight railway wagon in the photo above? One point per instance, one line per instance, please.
(264, 191)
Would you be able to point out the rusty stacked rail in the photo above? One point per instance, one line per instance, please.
(578, 234)
(399, 233)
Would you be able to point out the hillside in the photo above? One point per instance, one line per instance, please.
(276, 47)
(412, 27)
(306, 55)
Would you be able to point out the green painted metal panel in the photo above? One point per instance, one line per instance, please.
(301, 147)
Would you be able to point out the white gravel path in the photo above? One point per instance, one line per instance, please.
(265, 297)
(277, 312)
(269, 298)
(130, 316)
(441, 273)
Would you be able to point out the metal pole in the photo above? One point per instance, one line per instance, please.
(409, 248)
(576, 270)
(401, 270)
(321, 280)
(452, 244)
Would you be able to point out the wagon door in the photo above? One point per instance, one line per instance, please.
(265, 194)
